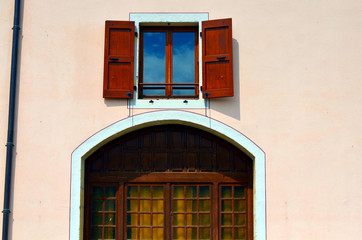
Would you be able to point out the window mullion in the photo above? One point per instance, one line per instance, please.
(168, 62)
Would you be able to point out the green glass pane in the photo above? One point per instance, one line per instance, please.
(132, 205)
(97, 219)
(110, 191)
(226, 234)
(145, 192)
(157, 233)
(145, 219)
(109, 233)
(239, 192)
(132, 233)
(109, 219)
(240, 234)
(240, 205)
(97, 205)
(240, 219)
(178, 233)
(110, 205)
(145, 233)
(204, 192)
(204, 233)
(191, 192)
(226, 192)
(191, 233)
(204, 205)
(158, 192)
(157, 220)
(226, 220)
(191, 219)
(132, 219)
(178, 192)
(96, 233)
(157, 206)
(204, 219)
(145, 205)
(191, 205)
(226, 205)
(179, 206)
(178, 220)
(132, 191)
(97, 192)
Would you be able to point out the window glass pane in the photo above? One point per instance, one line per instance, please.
(157, 220)
(240, 219)
(178, 233)
(109, 219)
(178, 220)
(226, 205)
(191, 192)
(145, 192)
(205, 219)
(110, 205)
(226, 192)
(204, 205)
(191, 233)
(132, 205)
(178, 192)
(226, 220)
(97, 219)
(204, 192)
(97, 205)
(178, 205)
(109, 233)
(239, 192)
(183, 61)
(157, 206)
(132, 192)
(226, 233)
(145, 219)
(154, 60)
(145, 233)
(97, 192)
(157, 233)
(132, 219)
(131, 233)
(240, 234)
(96, 233)
(204, 233)
(110, 192)
(145, 205)
(240, 205)
(191, 220)
(157, 192)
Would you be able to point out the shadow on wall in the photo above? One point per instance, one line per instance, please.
(230, 105)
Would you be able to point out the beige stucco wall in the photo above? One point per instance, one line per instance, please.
(298, 80)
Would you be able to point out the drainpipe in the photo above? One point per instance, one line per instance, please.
(10, 139)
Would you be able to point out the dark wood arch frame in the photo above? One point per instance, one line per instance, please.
(168, 155)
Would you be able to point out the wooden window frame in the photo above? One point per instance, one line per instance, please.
(168, 66)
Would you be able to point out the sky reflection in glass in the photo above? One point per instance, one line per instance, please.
(154, 61)
(183, 65)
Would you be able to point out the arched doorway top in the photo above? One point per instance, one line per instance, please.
(160, 118)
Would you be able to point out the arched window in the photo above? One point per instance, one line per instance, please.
(168, 182)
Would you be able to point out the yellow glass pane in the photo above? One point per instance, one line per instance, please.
(226, 234)
(145, 219)
(145, 205)
(97, 219)
(157, 206)
(158, 192)
(109, 219)
(191, 220)
(132, 205)
(226, 220)
(226, 192)
(145, 233)
(191, 233)
(157, 233)
(204, 192)
(240, 234)
(240, 205)
(204, 219)
(204, 233)
(110, 233)
(178, 205)
(240, 219)
(145, 192)
(178, 192)
(191, 205)
(191, 192)
(226, 205)
(132, 233)
(239, 192)
(179, 233)
(132, 191)
(204, 205)
(132, 219)
(110, 205)
(157, 220)
(178, 220)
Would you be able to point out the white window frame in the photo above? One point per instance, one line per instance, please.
(159, 18)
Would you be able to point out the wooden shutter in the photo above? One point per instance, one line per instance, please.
(118, 59)
(217, 58)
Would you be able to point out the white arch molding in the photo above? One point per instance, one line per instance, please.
(159, 118)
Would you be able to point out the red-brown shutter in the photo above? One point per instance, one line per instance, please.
(119, 59)
(217, 58)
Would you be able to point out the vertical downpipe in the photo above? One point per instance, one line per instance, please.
(10, 139)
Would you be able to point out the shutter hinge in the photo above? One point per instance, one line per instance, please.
(200, 34)
(136, 34)
(135, 88)
(201, 88)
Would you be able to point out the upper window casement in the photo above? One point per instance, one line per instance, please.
(170, 64)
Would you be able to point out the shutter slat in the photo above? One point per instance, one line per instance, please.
(118, 59)
(217, 58)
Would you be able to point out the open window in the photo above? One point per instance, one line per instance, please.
(169, 60)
